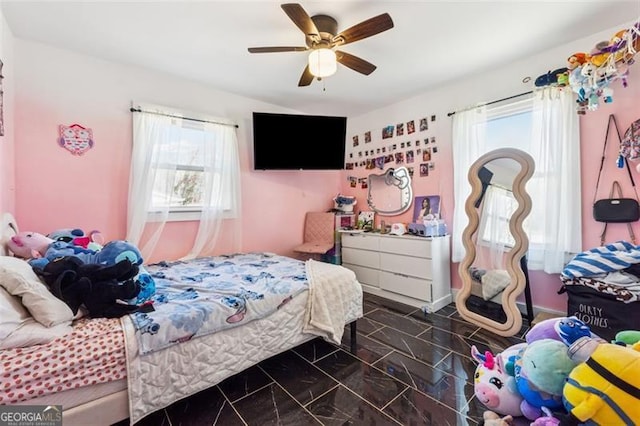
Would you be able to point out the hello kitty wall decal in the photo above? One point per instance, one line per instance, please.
(75, 138)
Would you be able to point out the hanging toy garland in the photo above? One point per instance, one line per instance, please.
(591, 74)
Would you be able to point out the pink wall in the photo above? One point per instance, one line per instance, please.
(544, 287)
(59, 190)
(56, 189)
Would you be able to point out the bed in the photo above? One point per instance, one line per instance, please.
(113, 369)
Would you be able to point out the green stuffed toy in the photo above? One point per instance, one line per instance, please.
(540, 371)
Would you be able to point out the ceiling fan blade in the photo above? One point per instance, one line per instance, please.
(306, 78)
(299, 17)
(277, 49)
(355, 63)
(364, 29)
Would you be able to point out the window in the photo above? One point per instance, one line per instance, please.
(182, 169)
(180, 173)
(545, 126)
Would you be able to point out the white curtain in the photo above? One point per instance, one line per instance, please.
(555, 221)
(159, 144)
(468, 143)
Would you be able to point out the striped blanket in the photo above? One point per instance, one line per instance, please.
(602, 260)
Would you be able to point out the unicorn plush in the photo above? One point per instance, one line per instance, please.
(493, 386)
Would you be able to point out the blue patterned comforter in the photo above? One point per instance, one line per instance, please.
(206, 295)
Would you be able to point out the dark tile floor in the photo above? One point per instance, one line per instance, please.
(409, 368)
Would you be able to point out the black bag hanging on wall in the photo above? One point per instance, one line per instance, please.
(615, 209)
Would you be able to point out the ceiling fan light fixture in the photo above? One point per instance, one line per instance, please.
(322, 62)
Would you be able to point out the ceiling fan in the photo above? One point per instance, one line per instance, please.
(321, 39)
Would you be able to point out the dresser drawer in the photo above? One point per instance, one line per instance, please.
(365, 275)
(407, 286)
(407, 265)
(410, 246)
(361, 241)
(370, 259)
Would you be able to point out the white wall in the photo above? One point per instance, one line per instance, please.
(7, 177)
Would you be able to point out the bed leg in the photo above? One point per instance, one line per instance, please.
(353, 336)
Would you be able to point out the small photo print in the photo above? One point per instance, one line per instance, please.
(410, 171)
(408, 144)
(393, 147)
(424, 124)
(399, 157)
(371, 164)
(418, 151)
(387, 132)
(402, 145)
(426, 207)
(377, 150)
(426, 154)
(351, 155)
(399, 129)
(433, 118)
(434, 150)
(426, 141)
(417, 143)
(389, 158)
(432, 165)
(380, 162)
(360, 154)
(365, 219)
(409, 156)
(348, 166)
(367, 136)
(384, 149)
(411, 127)
(363, 183)
(424, 169)
(353, 181)
(355, 140)
(433, 139)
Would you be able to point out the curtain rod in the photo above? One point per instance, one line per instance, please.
(496, 101)
(184, 118)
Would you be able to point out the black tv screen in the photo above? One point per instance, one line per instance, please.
(298, 142)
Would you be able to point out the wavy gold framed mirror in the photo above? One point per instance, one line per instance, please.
(492, 271)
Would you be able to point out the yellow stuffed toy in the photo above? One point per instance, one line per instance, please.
(605, 388)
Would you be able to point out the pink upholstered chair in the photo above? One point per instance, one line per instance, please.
(318, 235)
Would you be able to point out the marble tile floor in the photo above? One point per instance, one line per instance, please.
(409, 368)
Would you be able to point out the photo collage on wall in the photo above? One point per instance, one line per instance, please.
(408, 143)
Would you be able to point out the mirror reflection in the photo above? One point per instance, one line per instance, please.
(492, 272)
(390, 193)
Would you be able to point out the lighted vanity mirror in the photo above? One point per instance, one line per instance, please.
(390, 193)
(493, 273)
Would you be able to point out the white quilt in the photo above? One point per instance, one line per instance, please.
(160, 378)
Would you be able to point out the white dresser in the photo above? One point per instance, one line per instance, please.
(407, 269)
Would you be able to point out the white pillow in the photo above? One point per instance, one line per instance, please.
(17, 277)
(31, 332)
(12, 314)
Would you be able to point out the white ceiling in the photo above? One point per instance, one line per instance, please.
(432, 42)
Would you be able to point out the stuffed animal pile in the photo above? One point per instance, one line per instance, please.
(590, 74)
(64, 257)
(562, 375)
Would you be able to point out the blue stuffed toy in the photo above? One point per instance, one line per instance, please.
(112, 253)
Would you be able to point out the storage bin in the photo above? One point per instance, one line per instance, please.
(603, 313)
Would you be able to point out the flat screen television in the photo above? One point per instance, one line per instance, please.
(298, 142)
